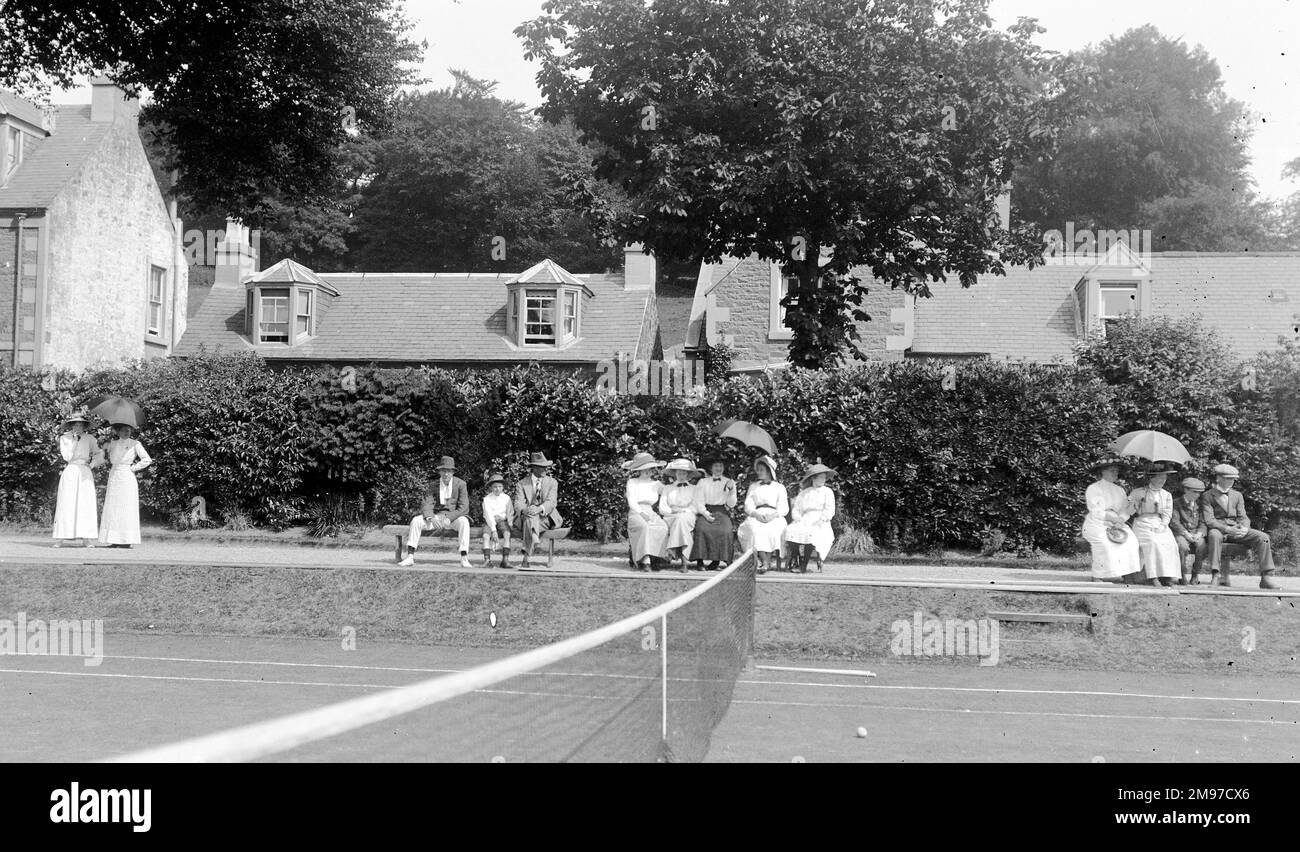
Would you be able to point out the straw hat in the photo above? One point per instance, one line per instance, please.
(1107, 461)
(684, 464)
(493, 478)
(447, 463)
(640, 462)
(78, 416)
(767, 462)
(816, 469)
(538, 460)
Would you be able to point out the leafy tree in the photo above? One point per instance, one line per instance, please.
(251, 97)
(1160, 146)
(464, 167)
(882, 132)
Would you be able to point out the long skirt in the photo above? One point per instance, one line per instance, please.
(818, 534)
(763, 537)
(681, 531)
(1157, 548)
(74, 513)
(648, 537)
(1110, 560)
(713, 538)
(121, 521)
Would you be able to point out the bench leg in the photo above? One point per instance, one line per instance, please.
(550, 554)
(400, 548)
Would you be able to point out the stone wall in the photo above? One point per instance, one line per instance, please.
(108, 226)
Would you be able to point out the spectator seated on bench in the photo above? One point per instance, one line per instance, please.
(400, 532)
(446, 507)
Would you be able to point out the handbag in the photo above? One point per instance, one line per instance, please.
(1117, 534)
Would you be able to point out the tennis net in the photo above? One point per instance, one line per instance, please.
(650, 687)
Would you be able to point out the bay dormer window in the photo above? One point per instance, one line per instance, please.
(544, 307)
(283, 304)
(1117, 287)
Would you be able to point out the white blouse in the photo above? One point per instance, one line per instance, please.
(642, 494)
(78, 450)
(128, 452)
(1148, 501)
(769, 494)
(818, 504)
(674, 499)
(715, 492)
(1103, 496)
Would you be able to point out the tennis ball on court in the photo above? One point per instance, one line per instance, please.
(797, 759)
(498, 759)
(862, 733)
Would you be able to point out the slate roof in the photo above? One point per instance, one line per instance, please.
(21, 109)
(1249, 299)
(56, 161)
(425, 317)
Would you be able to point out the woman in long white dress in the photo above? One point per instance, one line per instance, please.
(1108, 509)
(810, 518)
(766, 507)
(120, 525)
(74, 511)
(677, 506)
(647, 534)
(1152, 508)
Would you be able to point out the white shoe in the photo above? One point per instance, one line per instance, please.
(464, 562)
(408, 561)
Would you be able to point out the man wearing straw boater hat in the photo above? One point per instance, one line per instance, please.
(1224, 511)
(446, 506)
(536, 496)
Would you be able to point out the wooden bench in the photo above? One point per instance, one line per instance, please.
(1228, 551)
(401, 531)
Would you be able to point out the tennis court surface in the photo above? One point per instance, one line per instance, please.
(154, 690)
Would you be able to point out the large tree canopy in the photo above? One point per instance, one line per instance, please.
(1160, 147)
(881, 131)
(469, 182)
(252, 98)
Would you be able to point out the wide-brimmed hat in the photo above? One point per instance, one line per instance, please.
(640, 462)
(1226, 470)
(447, 463)
(76, 417)
(767, 462)
(538, 460)
(1158, 467)
(1193, 483)
(683, 464)
(711, 459)
(816, 469)
(1107, 461)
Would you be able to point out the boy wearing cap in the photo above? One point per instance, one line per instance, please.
(1224, 511)
(446, 505)
(498, 515)
(1189, 528)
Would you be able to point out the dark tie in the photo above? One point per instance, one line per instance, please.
(717, 479)
(683, 485)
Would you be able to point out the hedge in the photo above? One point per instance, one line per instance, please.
(923, 462)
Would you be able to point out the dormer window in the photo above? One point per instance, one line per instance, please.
(539, 326)
(544, 306)
(13, 150)
(1117, 287)
(283, 304)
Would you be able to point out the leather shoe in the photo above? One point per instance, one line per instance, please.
(1266, 583)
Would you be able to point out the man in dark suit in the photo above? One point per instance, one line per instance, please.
(535, 499)
(1224, 511)
(446, 506)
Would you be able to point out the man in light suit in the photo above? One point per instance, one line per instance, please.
(535, 499)
(446, 506)
(1224, 511)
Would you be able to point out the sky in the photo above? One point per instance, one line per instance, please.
(1255, 42)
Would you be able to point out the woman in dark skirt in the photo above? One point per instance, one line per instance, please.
(715, 497)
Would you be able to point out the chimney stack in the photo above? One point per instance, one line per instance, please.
(638, 268)
(107, 101)
(237, 259)
(1004, 208)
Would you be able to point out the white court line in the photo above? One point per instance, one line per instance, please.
(1016, 712)
(277, 663)
(204, 679)
(1096, 694)
(1023, 691)
(852, 672)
